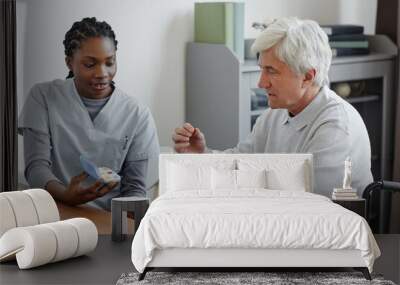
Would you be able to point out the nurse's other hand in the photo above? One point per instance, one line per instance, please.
(76, 194)
(188, 139)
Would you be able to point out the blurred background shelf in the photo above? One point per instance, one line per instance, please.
(363, 99)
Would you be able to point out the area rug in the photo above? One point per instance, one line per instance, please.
(243, 278)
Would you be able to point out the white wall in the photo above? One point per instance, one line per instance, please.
(152, 36)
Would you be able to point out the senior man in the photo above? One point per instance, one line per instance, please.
(305, 116)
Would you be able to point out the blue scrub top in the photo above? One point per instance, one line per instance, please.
(122, 132)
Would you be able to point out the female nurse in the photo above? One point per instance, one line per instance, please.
(86, 114)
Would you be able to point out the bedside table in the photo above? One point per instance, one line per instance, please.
(119, 208)
(358, 206)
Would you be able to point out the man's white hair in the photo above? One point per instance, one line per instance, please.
(301, 44)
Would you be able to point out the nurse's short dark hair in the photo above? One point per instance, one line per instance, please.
(84, 29)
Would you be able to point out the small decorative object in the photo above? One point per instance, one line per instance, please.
(346, 192)
(31, 231)
(342, 89)
(40, 244)
(347, 174)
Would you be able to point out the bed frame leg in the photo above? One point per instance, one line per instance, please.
(364, 271)
(143, 274)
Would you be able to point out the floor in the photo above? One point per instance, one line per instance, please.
(389, 262)
(102, 266)
(111, 259)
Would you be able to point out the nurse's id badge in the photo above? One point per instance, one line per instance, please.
(104, 174)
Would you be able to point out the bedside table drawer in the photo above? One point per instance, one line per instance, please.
(357, 206)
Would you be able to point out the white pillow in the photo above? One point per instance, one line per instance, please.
(236, 179)
(251, 178)
(223, 179)
(295, 180)
(282, 174)
(182, 177)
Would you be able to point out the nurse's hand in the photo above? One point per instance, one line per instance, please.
(75, 194)
(188, 139)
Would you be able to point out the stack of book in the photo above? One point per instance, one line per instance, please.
(347, 39)
(220, 23)
(344, 194)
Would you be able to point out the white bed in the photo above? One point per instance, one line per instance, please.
(199, 224)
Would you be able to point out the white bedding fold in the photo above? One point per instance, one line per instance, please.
(251, 218)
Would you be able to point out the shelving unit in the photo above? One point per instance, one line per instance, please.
(219, 92)
(363, 99)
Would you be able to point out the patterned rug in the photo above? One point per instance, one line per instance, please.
(243, 278)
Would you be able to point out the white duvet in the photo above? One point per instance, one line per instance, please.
(251, 218)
